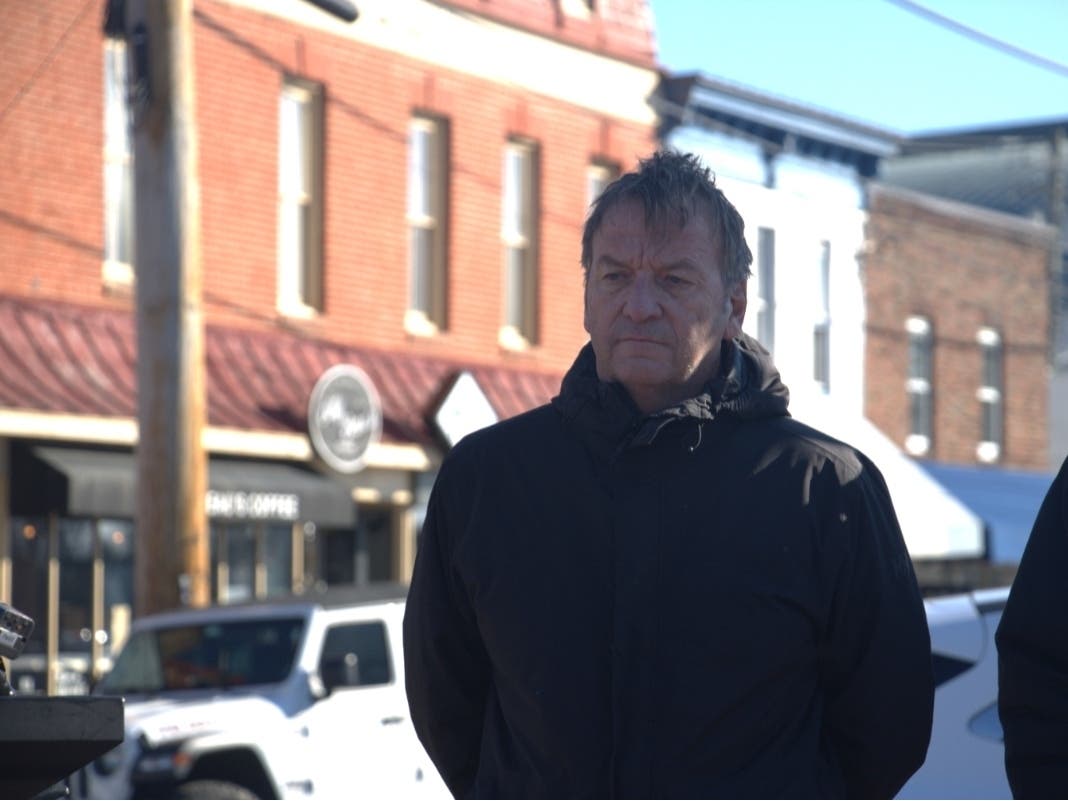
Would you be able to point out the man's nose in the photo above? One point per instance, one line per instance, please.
(642, 301)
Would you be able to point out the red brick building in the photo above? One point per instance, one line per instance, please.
(957, 347)
(404, 194)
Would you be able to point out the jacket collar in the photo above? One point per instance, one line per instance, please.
(747, 387)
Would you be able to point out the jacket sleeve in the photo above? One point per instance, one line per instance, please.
(446, 668)
(1032, 641)
(879, 686)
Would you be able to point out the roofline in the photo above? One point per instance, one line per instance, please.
(1041, 232)
(963, 138)
(693, 89)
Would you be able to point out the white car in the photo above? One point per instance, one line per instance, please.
(966, 758)
(301, 699)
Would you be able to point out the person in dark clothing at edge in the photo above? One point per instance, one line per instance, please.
(1032, 642)
(660, 584)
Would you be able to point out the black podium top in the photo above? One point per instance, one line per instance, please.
(44, 739)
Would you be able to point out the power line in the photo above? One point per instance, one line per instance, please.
(983, 38)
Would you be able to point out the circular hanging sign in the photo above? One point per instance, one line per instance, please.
(344, 417)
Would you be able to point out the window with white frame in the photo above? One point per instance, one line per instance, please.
(578, 8)
(300, 137)
(990, 395)
(598, 176)
(919, 385)
(427, 199)
(821, 333)
(519, 237)
(766, 288)
(118, 168)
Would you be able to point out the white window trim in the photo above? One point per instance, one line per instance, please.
(418, 322)
(521, 236)
(598, 173)
(582, 9)
(918, 325)
(289, 301)
(116, 273)
(918, 444)
(988, 451)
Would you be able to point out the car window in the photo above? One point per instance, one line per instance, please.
(212, 655)
(360, 650)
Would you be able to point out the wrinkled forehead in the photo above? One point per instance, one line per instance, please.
(629, 233)
(663, 221)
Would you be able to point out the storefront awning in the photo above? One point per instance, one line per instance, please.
(76, 362)
(1006, 500)
(101, 483)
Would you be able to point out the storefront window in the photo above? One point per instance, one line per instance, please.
(359, 556)
(233, 557)
(251, 560)
(117, 551)
(29, 571)
(278, 558)
(75, 586)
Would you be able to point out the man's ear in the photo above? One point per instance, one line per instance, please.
(736, 301)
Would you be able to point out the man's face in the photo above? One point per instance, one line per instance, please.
(656, 306)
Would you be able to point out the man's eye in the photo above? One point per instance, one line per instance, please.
(676, 280)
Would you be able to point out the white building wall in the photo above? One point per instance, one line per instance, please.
(808, 202)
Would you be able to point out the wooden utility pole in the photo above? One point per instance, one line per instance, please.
(172, 564)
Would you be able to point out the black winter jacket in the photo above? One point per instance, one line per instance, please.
(712, 600)
(1032, 640)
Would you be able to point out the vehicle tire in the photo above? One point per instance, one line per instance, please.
(212, 788)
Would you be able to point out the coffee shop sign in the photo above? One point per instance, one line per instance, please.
(240, 505)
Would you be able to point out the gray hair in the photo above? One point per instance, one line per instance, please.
(672, 186)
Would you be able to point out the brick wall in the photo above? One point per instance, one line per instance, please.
(51, 149)
(51, 142)
(962, 269)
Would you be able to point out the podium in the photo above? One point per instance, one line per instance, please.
(44, 739)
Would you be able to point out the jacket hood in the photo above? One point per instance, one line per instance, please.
(748, 387)
(751, 387)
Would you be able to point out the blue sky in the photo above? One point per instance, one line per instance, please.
(874, 61)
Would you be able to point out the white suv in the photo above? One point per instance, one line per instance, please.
(966, 758)
(295, 699)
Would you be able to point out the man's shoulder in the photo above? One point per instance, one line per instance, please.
(811, 445)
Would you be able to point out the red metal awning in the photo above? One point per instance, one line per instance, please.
(70, 359)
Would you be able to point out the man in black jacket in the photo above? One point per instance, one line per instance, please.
(660, 584)
(1032, 642)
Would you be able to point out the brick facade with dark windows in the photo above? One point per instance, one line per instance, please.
(974, 276)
